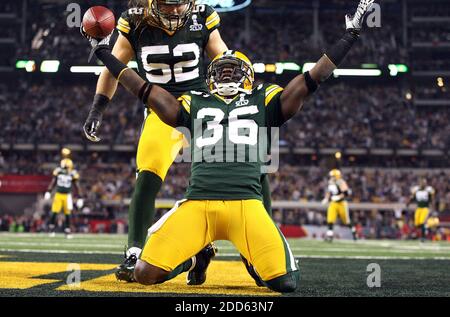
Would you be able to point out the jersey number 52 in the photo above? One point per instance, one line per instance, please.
(167, 72)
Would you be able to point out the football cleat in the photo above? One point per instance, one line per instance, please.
(125, 271)
(251, 271)
(197, 274)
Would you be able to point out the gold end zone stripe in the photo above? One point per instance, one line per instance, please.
(272, 93)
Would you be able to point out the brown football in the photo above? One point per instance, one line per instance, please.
(98, 22)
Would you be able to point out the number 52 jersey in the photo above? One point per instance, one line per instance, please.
(174, 61)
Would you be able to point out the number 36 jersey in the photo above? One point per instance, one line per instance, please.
(229, 141)
(174, 61)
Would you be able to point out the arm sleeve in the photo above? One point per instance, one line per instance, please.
(184, 114)
(212, 19)
(125, 26)
(272, 102)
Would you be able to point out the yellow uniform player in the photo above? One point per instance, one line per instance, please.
(65, 177)
(337, 191)
(423, 195)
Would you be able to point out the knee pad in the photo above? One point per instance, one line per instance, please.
(287, 283)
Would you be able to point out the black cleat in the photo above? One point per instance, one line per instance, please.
(197, 276)
(125, 271)
(251, 271)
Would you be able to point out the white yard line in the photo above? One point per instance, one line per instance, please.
(230, 255)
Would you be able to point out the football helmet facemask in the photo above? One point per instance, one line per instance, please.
(229, 74)
(171, 21)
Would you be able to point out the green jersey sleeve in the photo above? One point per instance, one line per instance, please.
(125, 24)
(212, 19)
(272, 102)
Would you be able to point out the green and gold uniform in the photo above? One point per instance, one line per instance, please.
(337, 208)
(174, 61)
(63, 196)
(224, 198)
(423, 197)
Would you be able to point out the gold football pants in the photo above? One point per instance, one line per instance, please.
(191, 225)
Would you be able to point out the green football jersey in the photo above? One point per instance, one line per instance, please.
(228, 146)
(173, 61)
(64, 180)
(423, 196)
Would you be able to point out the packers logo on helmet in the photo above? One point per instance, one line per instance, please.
(66, 164)
(167, 19)
(335, 173)
(229, 74)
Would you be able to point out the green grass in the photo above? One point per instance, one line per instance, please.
(408, 268)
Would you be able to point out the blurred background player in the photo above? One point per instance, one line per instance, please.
(65, 177)
(337, 191)
(169, 39)
(423, 195)
(433, 227)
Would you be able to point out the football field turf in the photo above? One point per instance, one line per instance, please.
(38, 265)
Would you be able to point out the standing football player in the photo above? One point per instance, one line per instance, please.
(65, 177)
(168, 39)
(337, 192)
(224, 199)
(423, 195)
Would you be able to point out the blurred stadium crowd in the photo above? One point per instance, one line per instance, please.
(343, 114)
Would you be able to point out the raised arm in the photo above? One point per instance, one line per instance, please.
(302, 86)
(106, 88)
(158, 99)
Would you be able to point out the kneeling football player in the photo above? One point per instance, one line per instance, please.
(224, 201)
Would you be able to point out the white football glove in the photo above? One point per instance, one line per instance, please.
(80, 203)
(356, 21)
(47, 195)
(324, 201)
(96, 43)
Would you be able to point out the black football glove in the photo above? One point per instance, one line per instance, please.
(92, 124)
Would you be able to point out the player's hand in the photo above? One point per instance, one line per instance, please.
(355, 21)
(324, 201)
(92, 124)
(47, 195)
(96, 43)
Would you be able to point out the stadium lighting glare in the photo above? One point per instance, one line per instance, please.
(132, 64)
(357, 72)
(368, 65)
(408, 96)
(20, 64)
(271, 68)
(30, 66)
(87, 69)
(50, 66)
(259, 68)
(281, 67)
(397, 68)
